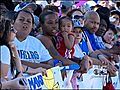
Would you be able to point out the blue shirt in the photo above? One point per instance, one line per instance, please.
(83, 44)
(95, 42)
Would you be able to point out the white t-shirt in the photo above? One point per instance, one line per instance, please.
(32, 50)
(78, 52)
(5, 55)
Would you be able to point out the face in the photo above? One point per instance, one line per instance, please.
(50, 25)
(92, 23)
(104, 3)
(116, 22)
(78, 34)
(23, 24)
(102, 28)
(109, 35)
(66, 25)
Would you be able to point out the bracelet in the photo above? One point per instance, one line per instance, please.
(55, 62)
(98, 56)
(26, 70)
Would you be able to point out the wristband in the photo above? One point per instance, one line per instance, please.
(57, 61)
(26, 69)
(98, 56)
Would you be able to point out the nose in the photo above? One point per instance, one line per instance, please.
(25, 21)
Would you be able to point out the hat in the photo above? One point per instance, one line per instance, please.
(115, 12)
(24, 5)
(77, 23)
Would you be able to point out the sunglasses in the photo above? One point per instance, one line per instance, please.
(78, 17)
(13, 30)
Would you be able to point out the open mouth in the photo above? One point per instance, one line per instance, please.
(25, 27)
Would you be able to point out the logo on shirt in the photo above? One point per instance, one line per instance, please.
(31, 55)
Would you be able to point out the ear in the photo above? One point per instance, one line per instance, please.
(85, 21)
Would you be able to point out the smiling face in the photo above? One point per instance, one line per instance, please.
(50, 25)
(23, 24)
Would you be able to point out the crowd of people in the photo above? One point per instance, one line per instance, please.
(36, 37)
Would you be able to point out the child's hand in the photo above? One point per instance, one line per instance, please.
(64, 34)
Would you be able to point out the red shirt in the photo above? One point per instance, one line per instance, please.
(61, 48)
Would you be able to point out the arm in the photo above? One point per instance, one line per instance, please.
(53, 52)
(16, 57)
(36, 65)
(4, 71)
(68, 40)
(13, 84)
(33, 71)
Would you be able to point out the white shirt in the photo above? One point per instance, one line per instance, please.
(32, 50)
(78, 52)
(5, 55)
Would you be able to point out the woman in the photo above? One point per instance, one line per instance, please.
(9, 55)
(34, 56)
(9, 59)
(108, 36)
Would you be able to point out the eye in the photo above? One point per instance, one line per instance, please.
(29, 21)
(98, 23)
(21, 19)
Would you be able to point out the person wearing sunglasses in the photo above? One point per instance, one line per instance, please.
(76, 14)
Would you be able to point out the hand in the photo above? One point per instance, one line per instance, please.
(41, 70)
(103, 60)
(112, 69)
(86, 64)
(18, 83)
(64, 34)
(14, 50)
(115, 50)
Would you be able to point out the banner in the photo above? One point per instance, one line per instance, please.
(53, 80)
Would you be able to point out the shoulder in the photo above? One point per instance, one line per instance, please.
(5, 55)
(4, 48)
(45, 40)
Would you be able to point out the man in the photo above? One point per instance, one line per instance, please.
(91, 23)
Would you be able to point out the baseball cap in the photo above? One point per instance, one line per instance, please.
(24, 5)
(77, 23)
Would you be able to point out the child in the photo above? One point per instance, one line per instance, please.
(79, 57)
(65, 37)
